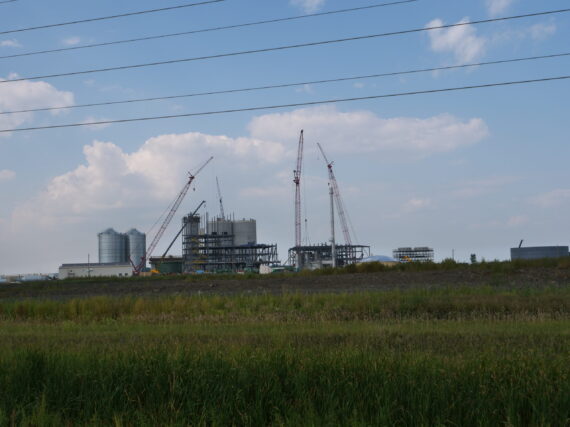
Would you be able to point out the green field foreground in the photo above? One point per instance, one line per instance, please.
(469, 357)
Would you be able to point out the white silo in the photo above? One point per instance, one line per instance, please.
(112, 247)
(136, 246)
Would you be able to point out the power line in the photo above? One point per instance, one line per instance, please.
(287, 47)
(298, 104)
(205, 30)
(104, 18)
(286, 85)
(7, 1)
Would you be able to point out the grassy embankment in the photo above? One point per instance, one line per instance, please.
(478, 356)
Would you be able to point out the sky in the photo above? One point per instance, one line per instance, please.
(466, 172)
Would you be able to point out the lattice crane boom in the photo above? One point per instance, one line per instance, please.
(169, 217)
(222, 214)
(339, 203)
(297, 181)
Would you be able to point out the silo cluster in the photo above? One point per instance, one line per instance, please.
(115, 248)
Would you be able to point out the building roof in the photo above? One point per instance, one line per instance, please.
(93, 264)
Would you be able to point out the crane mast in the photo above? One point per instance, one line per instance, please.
(297, 181)
(138, 268)
(222, 215)
(339, 203)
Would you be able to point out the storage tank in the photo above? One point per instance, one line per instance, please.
(539, 252)
(136, 246)
(245, 232)
(112, 247)
(222, 227)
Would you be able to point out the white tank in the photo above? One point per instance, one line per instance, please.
(136, 246)
(112, 247)
(245, 232)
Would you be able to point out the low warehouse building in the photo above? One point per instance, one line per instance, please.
(539, 252)
(69, 271)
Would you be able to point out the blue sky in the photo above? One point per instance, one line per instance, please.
(472, 171)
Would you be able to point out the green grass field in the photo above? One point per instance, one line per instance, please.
(469, 357)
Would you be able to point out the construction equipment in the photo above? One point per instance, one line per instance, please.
(141, 265)
(339, 203)
(222, 215)
(297, 181)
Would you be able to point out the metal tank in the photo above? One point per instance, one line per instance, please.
(112, 247)
(136, 246)
(245, 232)
(539, 252)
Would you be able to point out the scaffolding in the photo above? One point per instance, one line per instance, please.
(420, 254)
(319, 256)
(215, 251)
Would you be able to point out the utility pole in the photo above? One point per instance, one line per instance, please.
(297, 181)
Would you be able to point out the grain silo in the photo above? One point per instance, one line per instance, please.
(112, 247)
(136, 246)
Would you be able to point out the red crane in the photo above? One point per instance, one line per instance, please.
(339, 203)
(138, 268)
(297, 181)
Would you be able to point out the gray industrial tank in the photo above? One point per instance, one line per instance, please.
(245, 232)
(112, 247)
(136, 246)
(221, 227)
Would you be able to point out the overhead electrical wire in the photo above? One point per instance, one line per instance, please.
(286, 85)
(212, 29)
(104, 18)
(286, 47)
(7, 1)
(291, 105)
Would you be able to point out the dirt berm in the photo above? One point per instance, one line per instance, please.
(362, 282)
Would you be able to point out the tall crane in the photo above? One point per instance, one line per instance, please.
(222, 215)
(297, 181)
(338, 198)
(138, 268)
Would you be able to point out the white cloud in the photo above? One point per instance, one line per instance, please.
(309, 6)
(7, 175)
(552, 199)
(463, 41)
(10, 43)
(517, 221)
(71, 41)
(305, 89)
(496, 7)
(480, 187)
(365, 132)
(93, 119)
(26, 94)
(542, 31)
(112, 179)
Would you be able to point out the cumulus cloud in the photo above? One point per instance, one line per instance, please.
(309, 6)
(113, 179)
(496, 7)
(27, 94)
(10, 43)
(365, 132)
(7, 175)
(542, 30)
(417, 204)
(463, 41)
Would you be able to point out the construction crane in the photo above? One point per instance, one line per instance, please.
(222, 215)
(139, 267)
(339, 204)
(297, 181)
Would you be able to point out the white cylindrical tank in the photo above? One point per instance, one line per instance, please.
(136, 246)
(245, 232)
(112, 247)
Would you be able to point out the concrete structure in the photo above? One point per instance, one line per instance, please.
(69, 271)
(314, 257)
(418, 254)
(382, 259)
(539, 252)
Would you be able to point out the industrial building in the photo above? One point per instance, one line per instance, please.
(70, 271)
(118, 252)
(539, 252)
(418, 254)
(222, 244)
